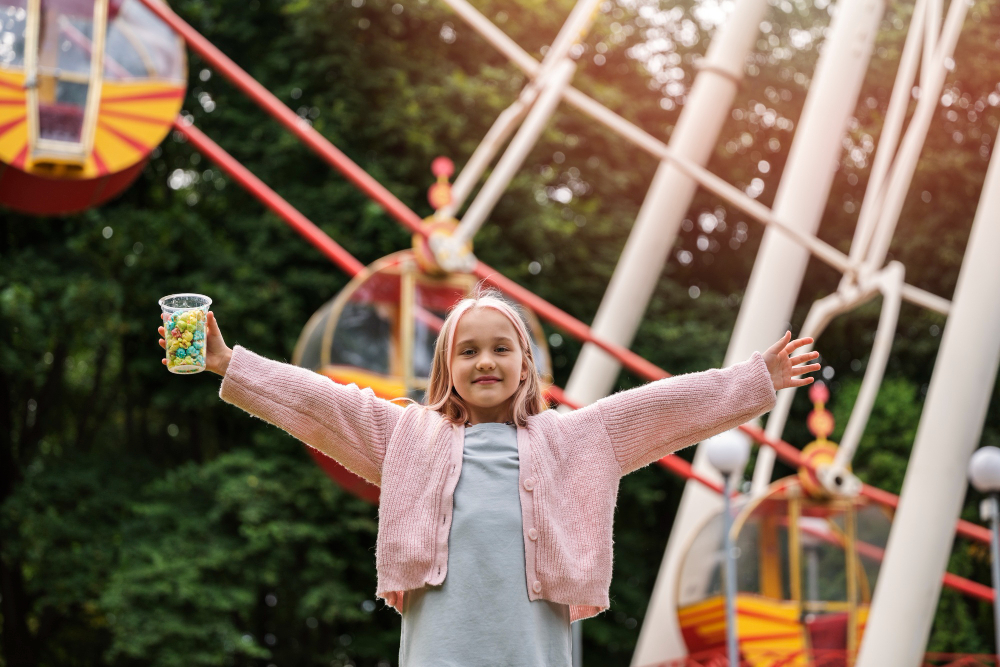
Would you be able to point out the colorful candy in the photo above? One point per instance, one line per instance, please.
(185, 344)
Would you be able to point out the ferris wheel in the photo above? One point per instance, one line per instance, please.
(59, 124)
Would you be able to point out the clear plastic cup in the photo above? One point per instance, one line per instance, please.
(184, 321)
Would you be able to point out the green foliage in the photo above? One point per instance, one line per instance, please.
(143, 521)
(203, 575)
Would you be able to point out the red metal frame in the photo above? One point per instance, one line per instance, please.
(412, 221)
(300, 223)
(346, 261)
(378, 193)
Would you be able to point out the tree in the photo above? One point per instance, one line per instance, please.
(142, 520)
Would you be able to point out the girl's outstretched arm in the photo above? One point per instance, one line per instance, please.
(649, 422)
(348, 424)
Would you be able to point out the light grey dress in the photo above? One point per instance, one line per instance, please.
(481, 614)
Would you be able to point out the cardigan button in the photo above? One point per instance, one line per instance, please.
(529, 484)
(533, 534)
(537, 587)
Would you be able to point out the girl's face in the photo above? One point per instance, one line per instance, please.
(487, 365)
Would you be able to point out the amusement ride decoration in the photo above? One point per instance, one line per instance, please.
(807, 565)
(88, 89)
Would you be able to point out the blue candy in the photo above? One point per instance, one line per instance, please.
(181, 352)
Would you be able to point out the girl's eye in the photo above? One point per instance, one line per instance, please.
(503, 349)
(467, 352)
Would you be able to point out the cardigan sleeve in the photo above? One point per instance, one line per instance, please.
(647, 423)
(348, 424)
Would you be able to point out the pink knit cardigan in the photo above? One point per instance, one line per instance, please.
(570, 464)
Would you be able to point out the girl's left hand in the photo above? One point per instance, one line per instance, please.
(784, 368)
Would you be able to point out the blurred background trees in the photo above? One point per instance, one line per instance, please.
(143, 521)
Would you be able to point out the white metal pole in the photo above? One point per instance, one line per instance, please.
(667, 200)
(888, 140)
(513, 157)
(487, 149)
(950, 426)
(905, 162)
(891, 282)
(777, 274)
(577, 23)
(645, 141)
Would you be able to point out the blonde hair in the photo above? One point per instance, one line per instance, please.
(441, 393)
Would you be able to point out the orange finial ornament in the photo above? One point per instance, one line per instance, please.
(819, 452)
(439, 194)
(820, 420)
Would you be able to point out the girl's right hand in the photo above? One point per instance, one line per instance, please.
(217, 353)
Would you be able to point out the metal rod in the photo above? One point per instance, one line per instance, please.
(795, 549)
(899, 102)
(732, 639)
(851, 566)
(890, 281)
(994, 501)
(407, 321)
(300, 223)
(513, 158)
(916, 132)
(575, 26)
(925, 299)
(487, 149)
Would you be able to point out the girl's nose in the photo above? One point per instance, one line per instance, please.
(485, 361)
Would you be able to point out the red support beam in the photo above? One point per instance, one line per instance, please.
(378, 193)
(352, 266)
(412, 221)
(300, 223)
(296, 125)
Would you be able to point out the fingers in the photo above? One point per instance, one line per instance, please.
(796, 344)
(802, 358)
(780, 345)
(811, 368)
(800, 382)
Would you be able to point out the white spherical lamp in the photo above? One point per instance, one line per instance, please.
(984, 469)
(728, 452)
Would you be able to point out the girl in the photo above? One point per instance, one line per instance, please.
(495, 519)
